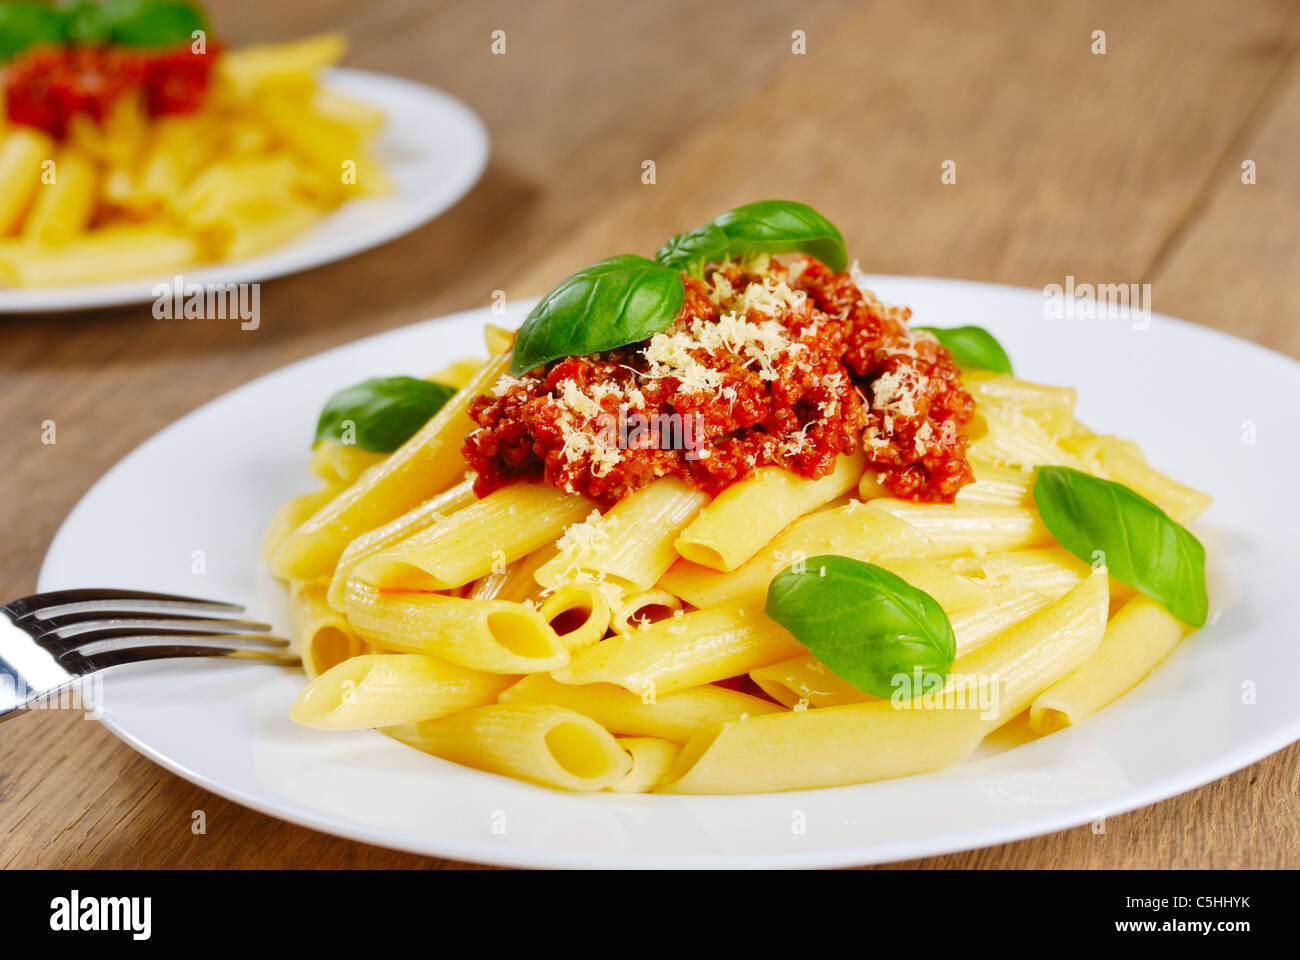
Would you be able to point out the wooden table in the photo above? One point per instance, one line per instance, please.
(1120, 167)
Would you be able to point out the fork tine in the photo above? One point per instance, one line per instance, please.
(76, 625)
(106, 602)
(184, 641)
(133, 649)
(67, 648)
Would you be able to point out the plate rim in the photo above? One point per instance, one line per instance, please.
(446, 846)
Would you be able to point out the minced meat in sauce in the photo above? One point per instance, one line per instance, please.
(770, 362)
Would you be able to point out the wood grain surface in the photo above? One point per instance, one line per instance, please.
(1122, 167)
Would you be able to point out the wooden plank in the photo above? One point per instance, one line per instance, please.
(1235, 264)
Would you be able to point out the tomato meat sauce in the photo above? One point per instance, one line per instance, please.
(771, 361)
(48, 86)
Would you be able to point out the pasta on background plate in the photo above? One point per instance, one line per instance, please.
(723, 522)
(133, 143)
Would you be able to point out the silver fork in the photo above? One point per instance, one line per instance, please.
(49, 642)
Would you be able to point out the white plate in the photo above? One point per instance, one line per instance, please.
(433, 148)
(210, 482)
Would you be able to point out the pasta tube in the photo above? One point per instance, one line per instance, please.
(532, 741)
(644, 608)
(386, 689)
(63, 208)
(651, 760)
(493, 531)
(966, 528)
(292, 513)
(674, 716)
(381, 538)
(421, 467)
(323, 636)
(747, 515)
(804, 749)
(698, 647)
(22, 152)
(579, 614)
(496, 636)
(1137, 638)
(1030, 656)
(632, 544)
(852, 531)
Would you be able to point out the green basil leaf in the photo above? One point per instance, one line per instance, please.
(1139, 543)
(769, 226)
(972, 347)
(383, 413)
(609, 304)
(25, 25)
(783, 226)
(690, 251)
(153, 23)
(87, 22)
(869, 626)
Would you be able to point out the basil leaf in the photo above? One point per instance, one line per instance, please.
(1140, 545)
(866, 624)
(383, 413)
(153, 23)
(783, 226)
(769, 226)
(25, 25)
(87, 22)
(972, 347)
(609, 304)
(690, 251)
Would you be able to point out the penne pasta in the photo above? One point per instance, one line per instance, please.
(579, 613)
(420, 468)
(456, 374)
(63, 207)
(999, 486)
(970, 528)
(1122, 461)
(531, 741)
(496, 636)
(805, 681)
(674, 716)
(686, 651)
(290, 515)
(799, 750)
(1033, 654)
(651, 760)
(22, 154)
(323, 637)
(515, 581)
(496, 530)
(340, 464)
(644, 608)
(632, 544)
(387, 689)
(1053, 407)
(107, 254)
(395, 531)
(1137, 638)
(854, 575)
(743, 518)
(1016, 439)
(852, 530)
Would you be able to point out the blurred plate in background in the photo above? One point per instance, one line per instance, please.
(433, 147)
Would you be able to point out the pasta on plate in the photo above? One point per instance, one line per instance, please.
(722, 522)
(133, 144)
